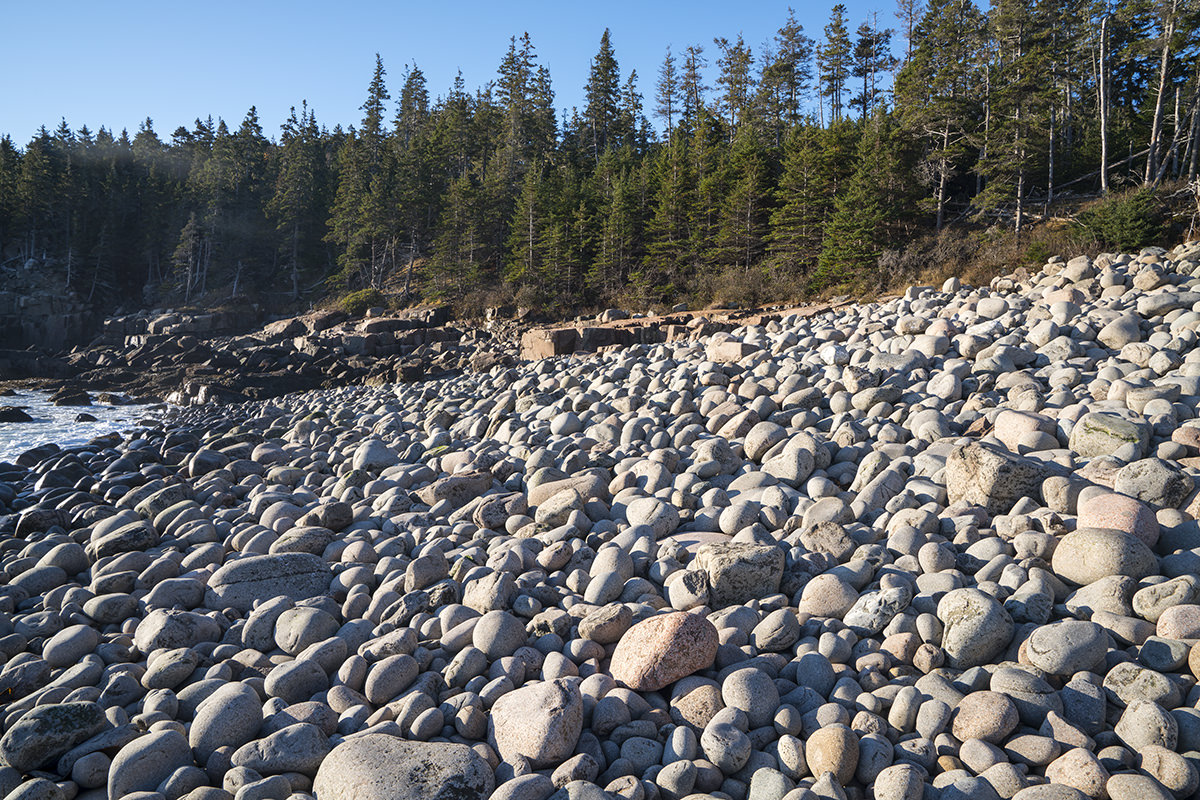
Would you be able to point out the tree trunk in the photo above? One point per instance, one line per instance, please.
(1102, 89)
(1020, 201)
(987, 124)
(1163, 69)
(1175, 137)
(295, 260)
(943, 176)
(1193, 144)
(1172, 157)
(204, 267)
(412, 259)
(1050, 165)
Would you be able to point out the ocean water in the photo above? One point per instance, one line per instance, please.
(57, 423)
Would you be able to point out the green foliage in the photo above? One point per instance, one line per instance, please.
(1037, 253)
(356, 303)
(1127, 221)
(756, 184)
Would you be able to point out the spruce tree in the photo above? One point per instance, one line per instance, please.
(852, 234)
(937, 94)
(603, 96)
(631, 121)
(735, 80)
(616, 229)
(40, 184)
(10, 168)
(793, 66)
(833, 61)
(743, 227)
(362, 220)
(668, 229)
(414, 184)
(692, 83)
(294, 206)
(454, 265)
(710, 169)
(802, 198)
(867, 211)
(1018, 107)
(666, 99)
(526, 264)
(871, 58)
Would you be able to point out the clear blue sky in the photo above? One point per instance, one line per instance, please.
(113, 64)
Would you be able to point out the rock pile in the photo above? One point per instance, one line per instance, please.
(940, 547)
(194, 359)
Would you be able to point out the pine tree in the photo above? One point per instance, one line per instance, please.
(803, 199)
(692, 83)
(603, 96)
(937, 97)
(295, 204)
(1017, 107)
(743, 228)
(872, 56)
(833, 61)
(734, 78)
(666, 104)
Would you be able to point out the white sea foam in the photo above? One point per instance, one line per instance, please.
(58, 423)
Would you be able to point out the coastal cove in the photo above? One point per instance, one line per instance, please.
(60, 424)
(943, 546)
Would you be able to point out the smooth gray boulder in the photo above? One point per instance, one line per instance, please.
(381, 767)
(239, 583)
(44, 733)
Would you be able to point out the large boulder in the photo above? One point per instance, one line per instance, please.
(977, 628)
(662, 649)
(738, 573)
(1100, 434)
(1088, 554)
(44, 733)
(540, 722)
(985, 475)
(239, 583)
(382, 767)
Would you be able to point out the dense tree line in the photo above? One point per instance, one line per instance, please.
(805, 159)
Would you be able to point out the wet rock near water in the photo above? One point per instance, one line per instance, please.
(942, 546)
(191, 359)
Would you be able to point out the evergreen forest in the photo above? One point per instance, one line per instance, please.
(801, 161)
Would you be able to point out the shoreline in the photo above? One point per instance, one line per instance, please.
(946, 540)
